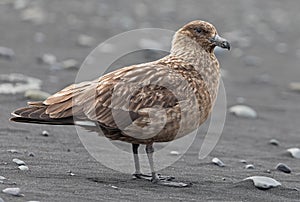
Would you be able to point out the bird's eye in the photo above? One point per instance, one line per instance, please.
(199, 30)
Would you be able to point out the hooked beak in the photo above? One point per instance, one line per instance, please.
(221, 42)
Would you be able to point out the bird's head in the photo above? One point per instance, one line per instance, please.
(203, 33)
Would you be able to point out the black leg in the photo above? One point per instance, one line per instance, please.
(157, 178)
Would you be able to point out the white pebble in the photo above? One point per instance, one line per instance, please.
(71, 63)
(13, 151)
(114, 187)
(218, 162)
(19, 162)
(85, 41)
(174, 153)
(23, 168)
(243, 111)
(12, 191)
(6, 53)
(250, 166)
(295, 152)
(47, 59)
(243, 161)
(2, 178)
(262, 182)
(45, 133)
(274, 142)
(295, 86)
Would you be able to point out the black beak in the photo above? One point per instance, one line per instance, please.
(221, 42)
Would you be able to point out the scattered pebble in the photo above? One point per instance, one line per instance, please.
(274, 142)
(283, 167)
(295, 152)
(20, 4)
(85, 41)
(218, 162)
(6, 53)
(114, 187)
(45, 133)
(34, 15)
(14, 151)
(2, 178)
(107, 48)
(252, 61)
(174, 153)
(12, 191)
(17, 83)
(295, 86)
(243, 111)
(69, 64)
(70, 173)
(47, 59)
(250, 166)
(262, 182)
(23, 168)
(19, 162)
(36, 95)
(243, 161)
(31, 154)
(268, 171)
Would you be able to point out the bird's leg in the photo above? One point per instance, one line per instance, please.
(157, 178)
(137, 174)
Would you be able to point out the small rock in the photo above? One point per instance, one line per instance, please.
(295, 152)
(12, 191)
(262, 182)
(33, 14)
(107, 48)
(20, 4)
(114, 187)
(45, 133)
(174, 153)
(14, 151)
(47, 59)
(295, 86)
(24, 168)
(36, 95)
(283, 167)
(268, 171)
(31, 154)
(274, 142)
(250, 166)
(19, 162)
(2, 178)
(218, 162)
(252, 61)
(68, 64)
(85, 41)
(243, 161)
(70, 173)
(6, 53)
(243, 111)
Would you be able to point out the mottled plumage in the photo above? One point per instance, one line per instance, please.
(141, 104)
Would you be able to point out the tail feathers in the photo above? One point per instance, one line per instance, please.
(37, 114)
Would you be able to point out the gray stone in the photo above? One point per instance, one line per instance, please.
(263, 182)
(283, 168)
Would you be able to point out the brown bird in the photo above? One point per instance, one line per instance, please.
(152, 102)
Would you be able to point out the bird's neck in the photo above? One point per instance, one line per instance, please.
(205, 62)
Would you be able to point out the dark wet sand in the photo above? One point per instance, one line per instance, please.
(277, 107)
